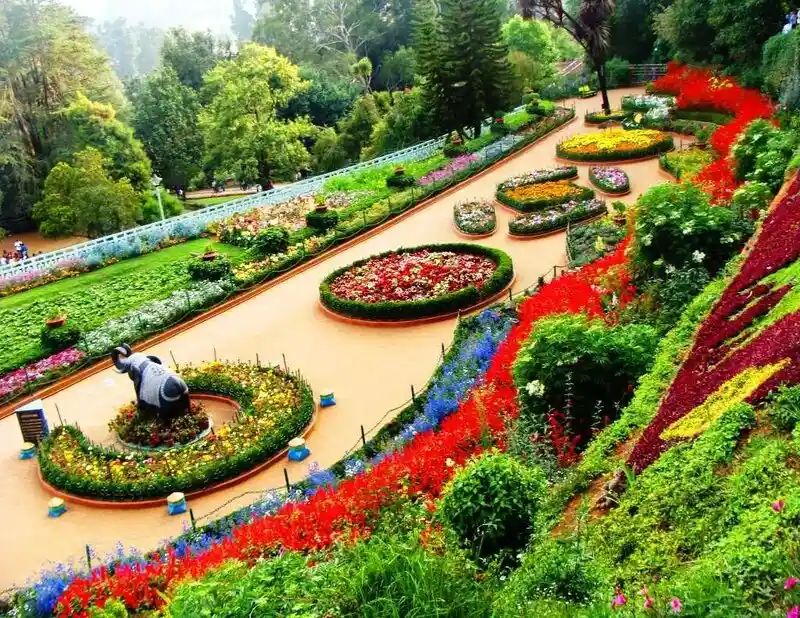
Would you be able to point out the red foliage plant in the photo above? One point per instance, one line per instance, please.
(723, 346)
(349, 510)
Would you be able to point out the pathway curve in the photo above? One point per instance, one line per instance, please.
(370, 369)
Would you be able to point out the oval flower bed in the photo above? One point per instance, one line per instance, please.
(417, 282)
(541, 223)
(615, 144)
(275, 407)
(475, 218)
(611, 180)
(616, 115)
(539, 195)
(565, 172)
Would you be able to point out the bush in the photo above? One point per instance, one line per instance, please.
(499, 127)
(785, 409)
(779, 62)
(601, 117)
(592, 241)
(557, 369)
(676, 227)
(112, 609)
(322, 221)
(214, 270)
(752, 198)
(60, 338)
(751, 142)
(490, 504)
(452, 151)
(541, 108)
(271, 240)
(618, 72)
(672, 293)
(151, 212)
(399, 180)
(415, 309)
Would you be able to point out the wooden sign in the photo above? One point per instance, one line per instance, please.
(32, 422)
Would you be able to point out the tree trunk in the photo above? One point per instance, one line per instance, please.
(476, 129)
(264, 173)
(601, 79)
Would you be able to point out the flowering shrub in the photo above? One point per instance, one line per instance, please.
(241, 229)
(540, 195)
(614, 144)
(591, 241)
(417, 282)
(449, 170)
(754, 324)
(275, 408)
(686, 164)
(647, 102)
(556, 218)
(475, 217)
(610, 179)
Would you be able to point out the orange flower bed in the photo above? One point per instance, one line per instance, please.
(535, 196)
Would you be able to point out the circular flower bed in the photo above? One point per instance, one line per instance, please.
(475, 218)
(614, 144)
(610, 180)
(417, 282)
(616, 115)
(275, 407)
(540, 223)
(539, 195)
(135, 429)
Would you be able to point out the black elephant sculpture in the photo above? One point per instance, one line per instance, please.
(159, 391)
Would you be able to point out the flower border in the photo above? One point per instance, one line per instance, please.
(531, 206)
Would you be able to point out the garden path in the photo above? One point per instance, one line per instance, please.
(370, 370)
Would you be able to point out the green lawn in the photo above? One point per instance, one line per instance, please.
(196, 204)
(95, 297)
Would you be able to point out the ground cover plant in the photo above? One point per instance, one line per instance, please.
(591, 241)
(614, 144)
(475, 217)
(417, 282)
(540, 195)
(616, 115)
(611, 180)
(276, 407)
(686, 164)
(556, 218)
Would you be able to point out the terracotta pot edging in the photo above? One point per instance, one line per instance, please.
(426, 320)
(89, 371)
(153, 502)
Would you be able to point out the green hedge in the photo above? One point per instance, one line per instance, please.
(530, 225)
(409, 310)
(529, 206)
(601, 117)
(162, 486)
(702, 115)
(661, 147)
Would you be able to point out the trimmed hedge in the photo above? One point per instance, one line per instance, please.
(660, 147)
(530, 206)
(601, 117)
(537, 223)
(322, 221)
(410, 310)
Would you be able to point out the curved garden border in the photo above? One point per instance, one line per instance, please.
(559, 230)
(413, 312)
(228, 389)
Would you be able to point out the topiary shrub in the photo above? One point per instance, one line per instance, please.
(785, 410)
(399, 180)
(490, 504)
(322, 221)
(214, 270)
(558, 374)
(60, 338)
(271, 240)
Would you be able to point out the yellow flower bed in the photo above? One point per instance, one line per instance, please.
(560, 190)
(614, 144)
(734, 391)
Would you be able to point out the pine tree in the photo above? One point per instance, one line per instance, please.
(463, 60)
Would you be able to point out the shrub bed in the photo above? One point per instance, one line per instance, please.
(592, 241)
(686, 164)
(615, 144)
(540, 195)
(275, 407)
(417, 282)
(475, 217)
(556, 218)
(610, 180)
(601, 117)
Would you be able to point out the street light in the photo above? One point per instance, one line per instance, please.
(156, 182)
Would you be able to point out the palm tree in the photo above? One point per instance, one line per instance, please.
(590, 27)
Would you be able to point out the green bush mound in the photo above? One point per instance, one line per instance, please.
(211, 270)
(592, 241)
(60, 338)
(557, 369)
(491, 504)
(686, 164)
(322, 221)
(601, 117)
(400, 180)
(718, 118)
(410, 310)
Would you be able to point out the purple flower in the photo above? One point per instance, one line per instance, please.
(778, 506)
(790, 583)
(458, 164)
(619, 600)
(675, 605)
(794, 612)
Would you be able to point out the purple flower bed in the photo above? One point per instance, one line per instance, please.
(609, 179)
(555, 218)
(15, 381)
(456, 165)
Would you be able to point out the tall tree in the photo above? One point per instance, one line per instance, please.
(190, 54)
(533, 53)
(165, 119)
(242, 22)
(327, 100)
(590, 26)
(241, 127)
(119, 41)
(464, 62)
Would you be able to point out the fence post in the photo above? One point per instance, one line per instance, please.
(192, 520)
(363, 437)
(89, 557)
(413, 395)
(286, 476)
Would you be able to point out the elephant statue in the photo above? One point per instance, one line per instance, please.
(159, 391)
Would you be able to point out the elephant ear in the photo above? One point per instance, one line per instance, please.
(155, 359)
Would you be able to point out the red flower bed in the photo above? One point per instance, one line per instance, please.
(349, 510)
(413, 276)
(699, 89)
(718, 354)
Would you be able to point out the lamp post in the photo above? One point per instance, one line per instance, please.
(156, 182)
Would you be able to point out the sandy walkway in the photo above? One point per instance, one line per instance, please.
(370, 370)
(37, 243)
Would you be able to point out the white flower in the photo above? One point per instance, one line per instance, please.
(659, 262)
(698, 256)
(687, 230)
(670, 269)
(647, 240)
(727, 240)
(535, 388)
(659, 220)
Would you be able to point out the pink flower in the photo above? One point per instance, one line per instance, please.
(794, 612)
(778, 506)
(648, 603)
(619, 600)
(675, 605)
(790, 583)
